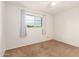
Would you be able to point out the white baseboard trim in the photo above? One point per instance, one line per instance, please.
(30, 43)
(66, 42)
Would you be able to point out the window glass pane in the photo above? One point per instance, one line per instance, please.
(37, 21)
(29, 20)
(33, 21)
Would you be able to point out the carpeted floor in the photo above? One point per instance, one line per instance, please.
(51, 48)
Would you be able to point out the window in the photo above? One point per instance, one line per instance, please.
(33, 21)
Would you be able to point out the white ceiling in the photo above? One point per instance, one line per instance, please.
(45, 6)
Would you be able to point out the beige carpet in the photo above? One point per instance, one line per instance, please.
(49, 48)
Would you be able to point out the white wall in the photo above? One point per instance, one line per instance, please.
(12, 28)
(66, 26)
(1, 30)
